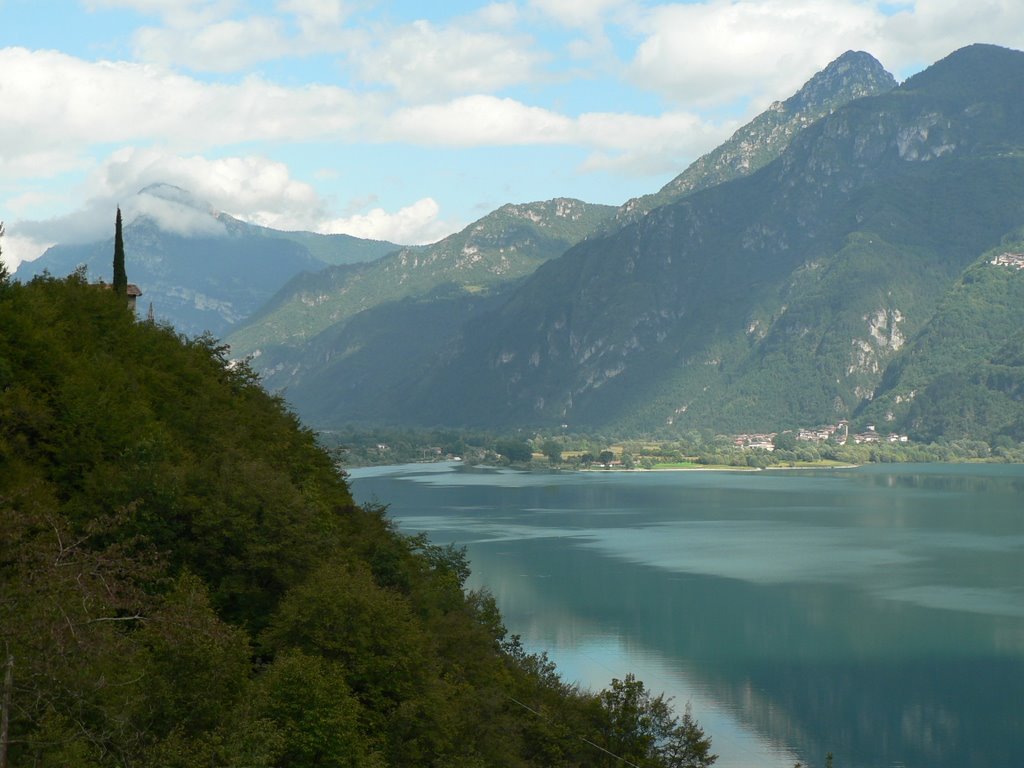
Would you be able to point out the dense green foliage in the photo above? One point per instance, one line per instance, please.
(184, 580)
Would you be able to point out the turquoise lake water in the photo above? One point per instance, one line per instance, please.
(876, 613)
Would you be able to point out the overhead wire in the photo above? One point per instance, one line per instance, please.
(581, 738)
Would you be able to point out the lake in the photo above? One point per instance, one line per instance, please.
(876, 613)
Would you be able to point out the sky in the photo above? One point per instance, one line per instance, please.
(406, 121)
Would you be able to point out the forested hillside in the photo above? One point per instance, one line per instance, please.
(185, 580)
(768, 302)
(502, 247)
(963, 375)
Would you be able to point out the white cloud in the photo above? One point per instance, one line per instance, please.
(496, 15)
(73, 104)
(18, 249)
(715, 52)
(637, 145)
(173, 216)
(477, 121)
(624, 131)
(317, 13)
(578, 13)
(633, 144)
(252, 188)
(930, 29)
(225, 46)
(718, 51)
(220, 36)
(422, 61)
(416, 224)
(177, 13)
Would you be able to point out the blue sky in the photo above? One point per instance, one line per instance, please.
(406, 121)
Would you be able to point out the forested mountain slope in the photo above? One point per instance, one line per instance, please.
(503, 246)
(336, 372)
(962, 375)
(185, 581)
(771, 301)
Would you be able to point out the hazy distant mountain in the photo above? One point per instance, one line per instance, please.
(203, 270)
(773, 300)
(853, 75)
(505, 245)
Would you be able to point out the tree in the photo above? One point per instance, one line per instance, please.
(642, 729)
(120, 276)
(552, 450)
(514, 450)
(3, 267)
(688, 746)
(785, 441)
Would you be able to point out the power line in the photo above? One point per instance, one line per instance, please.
(582, 738)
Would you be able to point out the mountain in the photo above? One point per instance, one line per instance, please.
(356, 370)
(203, 270)
(326, 377)
(511, 242)
(853, 75)
(774, 300)
(505, 245)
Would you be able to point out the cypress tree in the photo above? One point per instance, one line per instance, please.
(3, 267)
(120, 276)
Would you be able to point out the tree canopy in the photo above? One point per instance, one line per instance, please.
(185, 579)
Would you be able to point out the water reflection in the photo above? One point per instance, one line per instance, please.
(876, 614)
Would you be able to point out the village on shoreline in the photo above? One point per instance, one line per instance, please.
(828, 446)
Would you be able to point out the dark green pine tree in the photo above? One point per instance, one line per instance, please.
(120, 276)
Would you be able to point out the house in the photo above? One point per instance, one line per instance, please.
(763, 441)
(870, 436)
(1009, 260)
(132, 292)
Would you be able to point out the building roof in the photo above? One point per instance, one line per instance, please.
(132, 291)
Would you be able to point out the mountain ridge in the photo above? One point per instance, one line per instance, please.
(770, 300)
(852, 75)
(506, 244)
